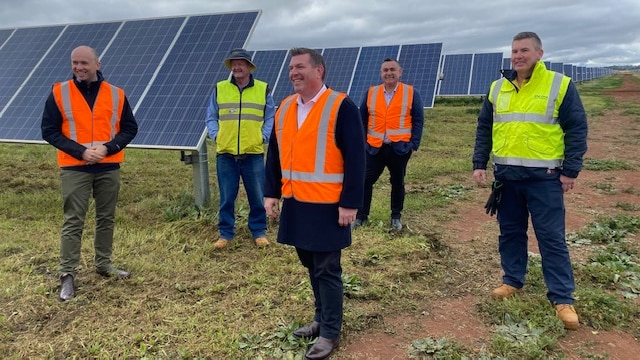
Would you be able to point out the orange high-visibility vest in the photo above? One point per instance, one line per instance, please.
(312, 165)
(394, 120)
(86, 126)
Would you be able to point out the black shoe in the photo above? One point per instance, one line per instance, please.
(120, 274)
(357, 223)
(396, 224)
(66, 287)
(312, 330)
(322, 348)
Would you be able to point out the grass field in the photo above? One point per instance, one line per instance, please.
(187, 301)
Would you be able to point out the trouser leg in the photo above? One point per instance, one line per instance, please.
(397, 166)
(513, 218)
(546, 203)
(252, 172)
(373, 170)
(325, 273)
(76, 191)
(106, 187)
(228, 183)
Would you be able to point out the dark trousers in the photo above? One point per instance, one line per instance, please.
(397, 165)
(325, 275)
(544, 201)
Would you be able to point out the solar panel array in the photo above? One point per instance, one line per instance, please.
(469, 74)
(167, 67)
(354, 69)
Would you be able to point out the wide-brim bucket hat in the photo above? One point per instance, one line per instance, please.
(240, 54)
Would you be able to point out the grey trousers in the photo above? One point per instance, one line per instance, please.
(77, 188)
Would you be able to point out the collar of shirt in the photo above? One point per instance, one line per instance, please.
(389, 95)
(304, 109)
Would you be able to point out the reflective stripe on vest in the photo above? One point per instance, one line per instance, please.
(240, 117)
(89, 126)
(544, 121)
(68, 111)
(317, 185)
(375, 124)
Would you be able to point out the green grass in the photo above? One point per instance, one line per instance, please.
(187, 301)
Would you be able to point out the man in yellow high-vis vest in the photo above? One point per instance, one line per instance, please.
(240, 119)
(534, 124)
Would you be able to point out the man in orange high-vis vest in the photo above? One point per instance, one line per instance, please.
(393, 117)
(90, 122)
(315, 161)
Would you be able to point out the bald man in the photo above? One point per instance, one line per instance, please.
(90, 122)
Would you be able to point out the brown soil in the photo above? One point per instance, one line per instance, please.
(473, 241)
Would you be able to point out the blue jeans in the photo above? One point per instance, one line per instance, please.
(229, 169)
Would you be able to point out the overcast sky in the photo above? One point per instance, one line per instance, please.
(587, 32)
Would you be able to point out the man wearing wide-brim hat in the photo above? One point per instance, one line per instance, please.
(239, 120)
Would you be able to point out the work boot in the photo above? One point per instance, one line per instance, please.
(221, 243)
(396, 224)
(66, 287)
(567, 314)
(357, 223)
(503, 291)
(262, 241)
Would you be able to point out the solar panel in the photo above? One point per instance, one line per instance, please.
(547, 64)
(4, 35)
(420, 64)
(26, 107)
(167, 66)
(269, 65)
(557, 67)
(456, 74)
(486, 69)
(340, 67)
(506, 63)
(19, 57)
(567, 70)
(368, 69)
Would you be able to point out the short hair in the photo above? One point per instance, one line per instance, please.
(529, 35)
(392, 59)
(316, 57)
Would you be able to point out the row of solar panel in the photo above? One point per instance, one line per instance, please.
(169, 66)
(576, 73)
(353, 70)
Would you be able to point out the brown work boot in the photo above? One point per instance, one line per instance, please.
(503, 291)
(567, 314)
(262, 241)
(221, 243)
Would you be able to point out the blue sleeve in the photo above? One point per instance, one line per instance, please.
(417, 120)
(573, 120)
(212, 116)
(269, 115)
(484, 135)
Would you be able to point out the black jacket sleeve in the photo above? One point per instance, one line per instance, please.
(350, 141)
(273, 171)
(484, 130)
(417, 120)
(573, 120)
